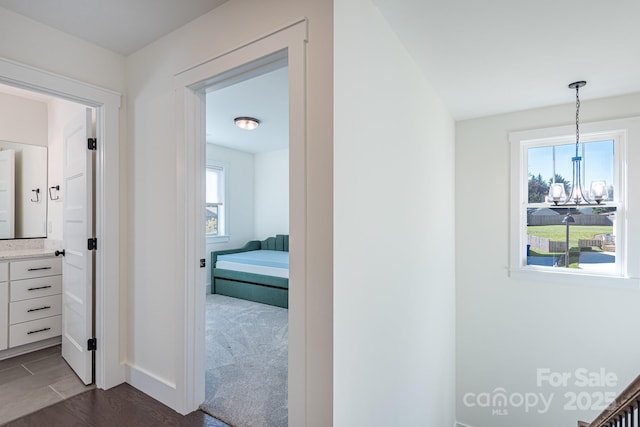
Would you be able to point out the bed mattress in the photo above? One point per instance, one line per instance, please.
(270, 263)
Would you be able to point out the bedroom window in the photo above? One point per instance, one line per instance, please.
(215, 201)
(597, 240)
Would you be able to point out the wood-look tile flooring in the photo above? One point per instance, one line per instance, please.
(35, 380)
(121, 406)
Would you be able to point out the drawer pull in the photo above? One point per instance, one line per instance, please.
(39, 330)
(39, 287)
(39, 268)
(46, 307)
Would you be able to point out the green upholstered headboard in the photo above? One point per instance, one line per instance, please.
(278, 243)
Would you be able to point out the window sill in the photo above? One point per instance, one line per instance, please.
(574, 278)
(217, 239)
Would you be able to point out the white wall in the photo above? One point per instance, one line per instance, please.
(37, 45)
(23, 120)
(152, 184)
(508, 328)
(271, 194)
(257, 190)
(32, 43)
(239, 170)
(60, 113)
(394, 288)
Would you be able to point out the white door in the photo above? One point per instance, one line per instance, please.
(77, 273)
(7, 194)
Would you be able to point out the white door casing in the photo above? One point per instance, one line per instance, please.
(7, 194)
(77, 273)
(110, 370)
(237, 64)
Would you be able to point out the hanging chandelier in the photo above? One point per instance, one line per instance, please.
(598, 191)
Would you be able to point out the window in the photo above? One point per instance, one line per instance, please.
(215, 201)
(596, 243)
(591, 238)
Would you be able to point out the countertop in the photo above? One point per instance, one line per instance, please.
(25, 253)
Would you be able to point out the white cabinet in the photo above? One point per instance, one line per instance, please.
(31, 301)
(30, 268)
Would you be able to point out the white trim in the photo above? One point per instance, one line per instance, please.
(572, 278)
(223, 217)
(29, 348)
(109, 371)
(160, 389)
(250, 59)
(627, 271)
(459, 424)
(214, 240)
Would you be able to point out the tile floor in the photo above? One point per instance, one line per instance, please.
(34, 381)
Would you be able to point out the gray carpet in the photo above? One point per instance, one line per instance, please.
(246, 362)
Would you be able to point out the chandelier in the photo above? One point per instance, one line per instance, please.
(577, 196)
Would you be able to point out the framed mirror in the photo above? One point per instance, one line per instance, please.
(23, 191)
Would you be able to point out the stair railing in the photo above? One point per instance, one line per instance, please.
(624, 411)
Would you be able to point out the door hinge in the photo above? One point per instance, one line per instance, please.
(92, 244)
(203, 263)
(92, 144)
(92, 344)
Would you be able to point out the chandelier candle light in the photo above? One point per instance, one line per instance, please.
(577, 196)
(598, 192)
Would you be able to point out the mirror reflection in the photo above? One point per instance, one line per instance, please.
(23, 191)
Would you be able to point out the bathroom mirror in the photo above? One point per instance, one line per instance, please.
(23, 191)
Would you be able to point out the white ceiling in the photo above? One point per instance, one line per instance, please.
(482, 57)
(266, 98)
(496, 56)
(122, 26)
(125, 26)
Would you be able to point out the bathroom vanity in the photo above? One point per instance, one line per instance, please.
(30, 300)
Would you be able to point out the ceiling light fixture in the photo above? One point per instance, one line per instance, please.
(246, 123)
(598, 192)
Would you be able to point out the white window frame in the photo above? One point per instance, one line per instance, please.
(620, 131)
(223, 210)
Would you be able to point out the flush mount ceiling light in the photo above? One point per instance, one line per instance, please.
(598, 192)
(246, 123)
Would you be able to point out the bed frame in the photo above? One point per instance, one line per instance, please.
(250, 286)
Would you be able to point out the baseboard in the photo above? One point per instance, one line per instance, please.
(28, 348)
(152, 385)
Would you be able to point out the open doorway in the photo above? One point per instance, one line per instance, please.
(247, 226)
(44, 135)
(286, 44)
(109, 370)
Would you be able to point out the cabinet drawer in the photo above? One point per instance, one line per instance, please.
(31, 268)
(32, 309)
(4, 272)
(35, 288)
(36, 330)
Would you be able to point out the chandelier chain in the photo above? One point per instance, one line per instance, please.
(577, 119)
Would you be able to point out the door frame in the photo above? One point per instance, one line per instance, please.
(234, 65)
(109, 371)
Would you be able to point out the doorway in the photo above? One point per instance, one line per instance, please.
(247, 200)
(108, 369)
(36, 370)
(239, 64)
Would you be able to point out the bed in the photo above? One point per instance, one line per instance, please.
(258, 271)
